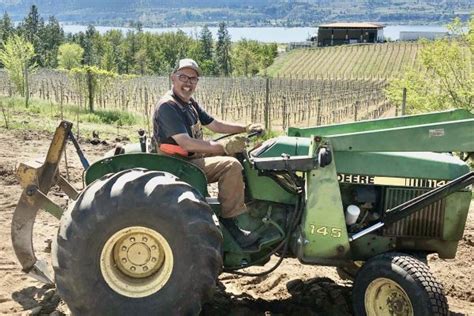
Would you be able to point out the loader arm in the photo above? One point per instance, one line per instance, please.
(36, 180)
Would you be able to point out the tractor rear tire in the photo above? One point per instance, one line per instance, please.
(137, 242)
(397, 284)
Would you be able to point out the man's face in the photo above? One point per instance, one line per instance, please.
(183, 85)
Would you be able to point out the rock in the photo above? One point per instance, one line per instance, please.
(95, 141)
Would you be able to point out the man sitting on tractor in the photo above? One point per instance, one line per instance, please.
(177, 130)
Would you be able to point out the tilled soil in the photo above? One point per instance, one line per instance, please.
(293, 289)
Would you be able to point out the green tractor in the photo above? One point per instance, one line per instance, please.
(372, 198)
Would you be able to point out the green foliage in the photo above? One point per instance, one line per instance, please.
(16, 56)
(446, 79)
(44, 115)
(111, 117)
(90, 79)
(6, 28)
(135, 52)
(51, 37)
(223, 48)
(249, 57)
(70, 56)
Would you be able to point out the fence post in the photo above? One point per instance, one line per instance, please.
(318, 113)
(266, 108)
(404, 100)
(284, 116)
(90, 88)
(356, 105)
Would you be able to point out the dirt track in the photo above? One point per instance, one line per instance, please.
(293, 289)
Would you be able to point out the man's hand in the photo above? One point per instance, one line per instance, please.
(234, 144)
(255, 127)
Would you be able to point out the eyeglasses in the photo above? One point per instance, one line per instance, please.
(184, 78)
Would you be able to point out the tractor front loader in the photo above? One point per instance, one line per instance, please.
(372, 198)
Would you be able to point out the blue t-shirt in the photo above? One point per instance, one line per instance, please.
(170, 119)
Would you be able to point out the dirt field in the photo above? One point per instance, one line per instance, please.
(292, 289)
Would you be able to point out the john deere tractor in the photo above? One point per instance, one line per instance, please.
(372, 198)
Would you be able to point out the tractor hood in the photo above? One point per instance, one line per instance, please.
(420, 165)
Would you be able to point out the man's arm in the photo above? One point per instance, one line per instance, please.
(197, 145)
(225, 127)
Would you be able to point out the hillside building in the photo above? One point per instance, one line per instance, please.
(349, 33)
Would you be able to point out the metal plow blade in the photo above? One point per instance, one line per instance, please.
(36, 180)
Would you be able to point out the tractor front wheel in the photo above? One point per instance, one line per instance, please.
(137, 243)
(397, 284)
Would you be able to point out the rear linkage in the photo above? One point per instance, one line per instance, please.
(36, 180)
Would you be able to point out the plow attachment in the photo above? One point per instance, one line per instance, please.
(36, 180)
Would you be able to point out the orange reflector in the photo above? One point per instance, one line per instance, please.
(173, 150)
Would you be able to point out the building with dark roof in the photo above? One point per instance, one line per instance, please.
(349, 33)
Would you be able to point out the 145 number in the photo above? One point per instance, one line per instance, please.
(326, 231)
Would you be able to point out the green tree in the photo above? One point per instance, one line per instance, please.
(446, 78)
(205, 52)
(129, 48)
(31, 29)
(70, 56)
(32, 24)
(223, 47)
(245, 58)
(6, 27)
(206, 43)
(17, 57)
(250, 57)
(87, 40)
(51, 37)
(109, 59)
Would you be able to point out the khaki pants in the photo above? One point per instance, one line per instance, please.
(227, 172)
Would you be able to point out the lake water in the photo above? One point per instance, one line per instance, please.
(264, 34)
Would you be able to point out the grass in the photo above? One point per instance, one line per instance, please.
(44, 116)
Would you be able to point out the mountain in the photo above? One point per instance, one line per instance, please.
(242, 12)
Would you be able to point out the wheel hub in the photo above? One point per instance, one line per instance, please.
(385, 297)
(138, 255)
(136, 261)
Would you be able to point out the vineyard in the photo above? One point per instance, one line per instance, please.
(385, 60)
(279, 102)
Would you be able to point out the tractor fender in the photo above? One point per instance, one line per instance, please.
(178, 167)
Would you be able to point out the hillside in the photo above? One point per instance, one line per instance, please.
(355, 61)
(242, 12)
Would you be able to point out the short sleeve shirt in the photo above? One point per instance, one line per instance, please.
(175, 116)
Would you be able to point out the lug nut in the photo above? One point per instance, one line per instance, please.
(124, 248)
(133, 268)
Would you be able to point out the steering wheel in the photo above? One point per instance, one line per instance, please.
(243, 155)
(250, 135)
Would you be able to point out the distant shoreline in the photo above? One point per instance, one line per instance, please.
(267, 34)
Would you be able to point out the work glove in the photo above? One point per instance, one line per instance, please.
(234, 144)
(255, 127)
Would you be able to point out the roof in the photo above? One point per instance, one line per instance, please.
(360, 25)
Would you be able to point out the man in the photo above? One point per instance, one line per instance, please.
(177, 122)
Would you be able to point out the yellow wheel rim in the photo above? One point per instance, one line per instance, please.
(385, 297)
(136, 261)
